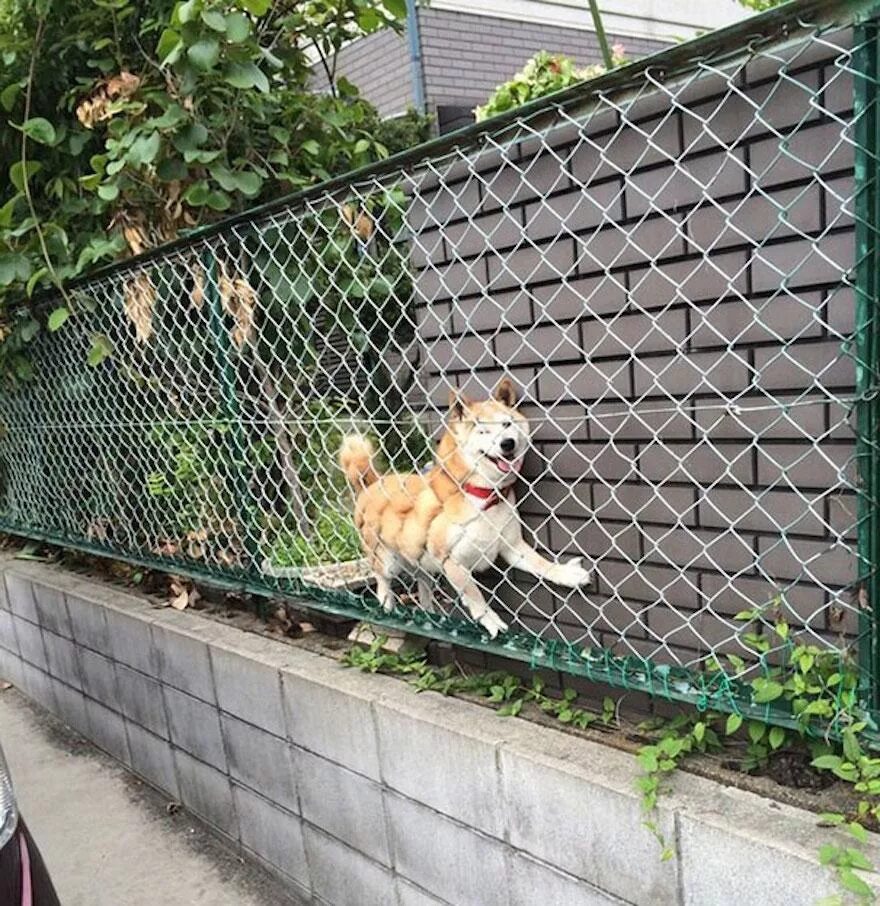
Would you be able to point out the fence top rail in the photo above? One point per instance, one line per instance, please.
(722, 44)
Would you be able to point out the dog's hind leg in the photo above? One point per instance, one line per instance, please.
(426, 594)
(384, 593)
(463, 582)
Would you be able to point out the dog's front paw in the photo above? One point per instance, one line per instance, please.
(492, 623)
(573, 574)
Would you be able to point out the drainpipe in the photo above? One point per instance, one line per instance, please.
(415, 55)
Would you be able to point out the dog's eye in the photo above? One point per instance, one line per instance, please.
(507, 424)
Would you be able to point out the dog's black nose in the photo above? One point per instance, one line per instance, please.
(508, 445)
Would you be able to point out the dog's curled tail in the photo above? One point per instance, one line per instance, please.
(356, 458)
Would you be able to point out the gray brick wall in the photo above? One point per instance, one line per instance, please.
(634, 281)
(464, 57)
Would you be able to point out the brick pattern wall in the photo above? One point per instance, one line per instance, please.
(636, 274)
(379, 66)
(466, 56)
(463, 58)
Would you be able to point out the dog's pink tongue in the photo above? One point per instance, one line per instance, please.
(506, 466)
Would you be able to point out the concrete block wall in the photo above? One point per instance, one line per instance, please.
(358, 792)
(670, 283)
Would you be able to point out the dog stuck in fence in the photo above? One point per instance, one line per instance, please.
(459, 517)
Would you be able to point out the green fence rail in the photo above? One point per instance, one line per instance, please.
(674, 269)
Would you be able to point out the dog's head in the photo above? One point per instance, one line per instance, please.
(491, 436)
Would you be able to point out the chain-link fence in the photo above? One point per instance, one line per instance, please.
(668, 271)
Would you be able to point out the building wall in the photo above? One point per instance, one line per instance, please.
(467, 56)
(464, 57)
(658, 279)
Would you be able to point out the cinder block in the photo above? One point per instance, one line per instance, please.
(527, 876)
(140, 699)
(248, 688)
(272, 833)
(205, 792)
(340, 875)
(345, 804)
(61, 658)
(415, 731)
(10, 668)
(70, 707)
(99, 677)
(107, 731)
(52, 609)
(446, 858)
(89, 623)
(712, 853)
(131, 641)
(410, 895)
(30, 642)
(184, 662)
(576, 807)
(20, 596)
(261, 761)
(7, 631)
(151, 757)
(350, 737)
(195, 727)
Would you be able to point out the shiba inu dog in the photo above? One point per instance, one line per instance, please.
(460, 516)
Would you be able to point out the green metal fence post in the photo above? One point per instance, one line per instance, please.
(231, 404)
(867, 135)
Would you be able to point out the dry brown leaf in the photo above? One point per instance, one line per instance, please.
(198, 293)
(139, 298)
(95, 108)
(166, 548)
(195, 543)
(360, 222)
(136, 238)
(239, 301)
(183, 594)
(364, 226)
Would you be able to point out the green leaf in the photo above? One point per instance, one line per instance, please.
(40, 130)
(170, 169)
(30, 329)
(9, 95)
(219, 201)
(14, 267)
(734, 722)
(187, 11)
(311, 147)
(246, 75)
(857, 859)
(857, 831)
(699, 731)
(827, 762)
(777, 737)
(101, 349)
(397, 8)
(831, 819)
(143, 150)
(169, 48)
(17, 173)
(190, 137)
(57, 318)
(768, 691)
(851, 748)
(214, 19)
(197, 193)
(362, 146)
(756, 730)
(255, 7)
(853, 883)
(238, 28)
(108, 191)
(204, 54)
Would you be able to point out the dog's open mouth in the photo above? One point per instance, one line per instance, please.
(506, 465)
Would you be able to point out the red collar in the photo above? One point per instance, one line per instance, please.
(487, 497)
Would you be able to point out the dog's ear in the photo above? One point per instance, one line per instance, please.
(458, 403)
(505, 393)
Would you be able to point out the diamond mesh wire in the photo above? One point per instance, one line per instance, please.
(664, 266)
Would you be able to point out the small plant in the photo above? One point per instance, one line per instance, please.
(543, 74)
